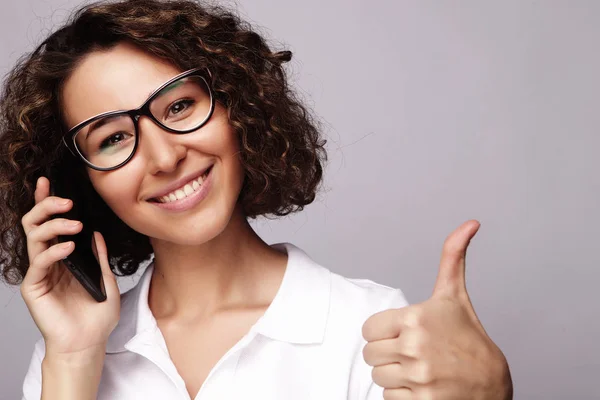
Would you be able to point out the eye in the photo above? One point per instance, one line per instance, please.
(179, 106)
(112, 140)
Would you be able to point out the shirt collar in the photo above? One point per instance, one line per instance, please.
(298, 313)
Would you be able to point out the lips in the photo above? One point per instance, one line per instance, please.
(190, 201)
(178, 184)
(187, 190)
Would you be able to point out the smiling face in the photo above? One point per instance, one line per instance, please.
(121, 79)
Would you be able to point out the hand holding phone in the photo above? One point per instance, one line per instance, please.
(70, 320)
(81, 261)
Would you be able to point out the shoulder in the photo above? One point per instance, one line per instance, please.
(343, 303)
(354, 300)
(365, 294)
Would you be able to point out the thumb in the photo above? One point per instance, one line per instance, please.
(110, 281)
(451, 276)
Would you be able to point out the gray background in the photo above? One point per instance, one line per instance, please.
(437, 112)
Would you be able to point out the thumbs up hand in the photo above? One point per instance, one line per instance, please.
(438, 349)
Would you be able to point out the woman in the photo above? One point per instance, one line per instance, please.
(217, 313)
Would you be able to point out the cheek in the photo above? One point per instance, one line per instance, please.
(233, 159)
(116, 189)
(222, 134)
(226, 145)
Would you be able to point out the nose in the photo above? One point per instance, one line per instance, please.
(160, 148)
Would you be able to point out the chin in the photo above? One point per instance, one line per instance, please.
(197, 230)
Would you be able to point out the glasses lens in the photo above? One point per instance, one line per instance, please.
(107, 142)
(183, 105)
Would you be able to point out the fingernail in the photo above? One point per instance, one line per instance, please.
(66, 245)
(71, 224)
(62, 202)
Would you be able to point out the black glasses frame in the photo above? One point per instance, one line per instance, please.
(135, 114)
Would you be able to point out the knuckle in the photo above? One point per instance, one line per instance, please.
(413, 344)
(397, 346)
(35, 260)
(414, 318)
(423, 373)
(451, 246)
(31, 234)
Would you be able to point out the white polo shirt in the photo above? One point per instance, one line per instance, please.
(307, 345)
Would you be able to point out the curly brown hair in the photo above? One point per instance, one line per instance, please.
(282, 150)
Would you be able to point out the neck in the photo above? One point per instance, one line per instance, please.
(194, 282)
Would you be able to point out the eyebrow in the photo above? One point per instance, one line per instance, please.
(99, 123)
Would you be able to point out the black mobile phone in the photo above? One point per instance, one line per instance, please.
(81, 262)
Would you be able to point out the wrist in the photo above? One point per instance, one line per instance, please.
(72, 376)
(88, 357)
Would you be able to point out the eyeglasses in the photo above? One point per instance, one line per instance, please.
(109, 140)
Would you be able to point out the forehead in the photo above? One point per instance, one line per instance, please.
(117, 79)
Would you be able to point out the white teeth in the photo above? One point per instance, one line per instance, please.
(185, 191)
